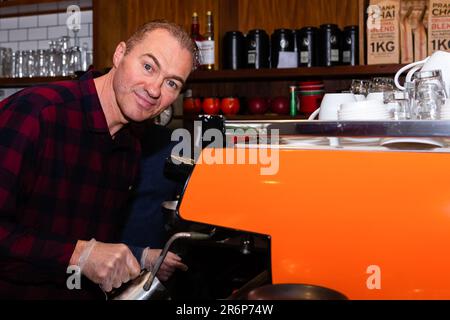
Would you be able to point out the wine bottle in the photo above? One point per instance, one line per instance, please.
(208, 48)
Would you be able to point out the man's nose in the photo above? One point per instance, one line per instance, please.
(153, 87)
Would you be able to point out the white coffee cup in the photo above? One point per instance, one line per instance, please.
(378, 96)
(439, 60)
(330, 105)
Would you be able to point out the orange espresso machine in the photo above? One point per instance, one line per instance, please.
(369, 221)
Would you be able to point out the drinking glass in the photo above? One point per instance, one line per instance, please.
(381, 84)
(41, 63)
(30, 61)
(428, 102)
(19, 64)
(75, 60)
(431, 77)
(360, 87)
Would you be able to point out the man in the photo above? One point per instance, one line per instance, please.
(68, 161)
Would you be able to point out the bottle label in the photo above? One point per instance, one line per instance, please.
(207, 52)
(251, 57)
(346, 56)
(334, 55)
(200, 51)
(304, 57)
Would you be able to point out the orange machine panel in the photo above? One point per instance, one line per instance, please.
(372, 225)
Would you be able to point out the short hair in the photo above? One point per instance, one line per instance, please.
(174, 29)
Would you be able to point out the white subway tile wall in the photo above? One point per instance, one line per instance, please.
(28, 45)
(28, 22)
(34, 32)
(18, 35)
(47, 20)
(37, 34)
(9, 23)
(4, 36)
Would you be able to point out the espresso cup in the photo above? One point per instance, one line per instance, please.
(330, 104)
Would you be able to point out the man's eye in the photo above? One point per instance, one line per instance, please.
(172, 84)
(148, 67)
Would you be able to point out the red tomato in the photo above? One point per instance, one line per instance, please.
(197, 105)
(230, 105)
(280, 105)
(257, 105)
(211, 106)
(192, 105)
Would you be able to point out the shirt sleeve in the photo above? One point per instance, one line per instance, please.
(46, 256)
(137, 252)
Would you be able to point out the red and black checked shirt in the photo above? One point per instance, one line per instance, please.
(62, 179)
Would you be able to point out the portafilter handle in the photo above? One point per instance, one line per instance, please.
(162, 256)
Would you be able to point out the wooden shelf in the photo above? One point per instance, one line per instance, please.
(25, 82)
(294, 73)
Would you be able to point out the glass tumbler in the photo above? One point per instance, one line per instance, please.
(360, 87)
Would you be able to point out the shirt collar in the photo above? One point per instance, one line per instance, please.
(95, 116)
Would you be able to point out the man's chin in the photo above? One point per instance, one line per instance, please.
(140, 117)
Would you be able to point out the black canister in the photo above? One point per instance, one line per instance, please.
(234, 53)
(350, 46)
(307, 46)
(329, 45)
(281, 40)
(258, 49)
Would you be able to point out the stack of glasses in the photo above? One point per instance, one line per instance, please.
(59, 60)
(423, 98)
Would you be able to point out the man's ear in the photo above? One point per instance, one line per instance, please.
(119, 53)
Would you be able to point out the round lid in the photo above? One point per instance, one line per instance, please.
(328, 26)
(347, 28)
(257, 31)
(282, 30)
(234, 33)
(308, 29)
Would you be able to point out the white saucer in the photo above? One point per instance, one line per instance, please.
(408, 143)
(362, 140)
(307, 141)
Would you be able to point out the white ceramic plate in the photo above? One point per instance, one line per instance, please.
(306, 141)
(361, 140)
(411, 143)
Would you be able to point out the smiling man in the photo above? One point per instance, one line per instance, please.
(68, 161)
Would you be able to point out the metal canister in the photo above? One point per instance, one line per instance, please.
(281, 40)
(329, 45)
(307, 46)
(234, 55)
(350, 46)
(258, 49)
(293, 100)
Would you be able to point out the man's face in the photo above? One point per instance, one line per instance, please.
(150, 76)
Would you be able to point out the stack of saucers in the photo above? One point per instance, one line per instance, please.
(445, 110)
(364, 110)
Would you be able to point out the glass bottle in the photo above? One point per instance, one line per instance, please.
(196, 36)
(208, 44)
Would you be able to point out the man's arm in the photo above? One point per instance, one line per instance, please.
(47, 254)
(34, 257)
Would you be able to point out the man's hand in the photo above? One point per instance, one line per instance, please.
(169, 265)
(108, 264)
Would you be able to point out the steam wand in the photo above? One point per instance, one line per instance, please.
(162, 256)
